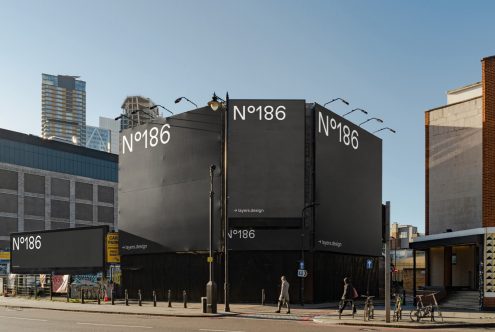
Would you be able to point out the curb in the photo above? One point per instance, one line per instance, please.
(200, 315)
(403, 326)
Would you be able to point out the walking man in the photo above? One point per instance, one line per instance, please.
(347, 296)
(284, 295)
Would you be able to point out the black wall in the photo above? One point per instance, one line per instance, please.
(250, 272)
(348, 186)
(266, 159)
(164, 189)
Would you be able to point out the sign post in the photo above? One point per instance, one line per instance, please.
(387, 261)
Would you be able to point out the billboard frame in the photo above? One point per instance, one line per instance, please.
(61, 270)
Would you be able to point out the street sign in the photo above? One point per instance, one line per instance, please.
(113, 255)
(369, 264)
(302, 273)
(209, 259)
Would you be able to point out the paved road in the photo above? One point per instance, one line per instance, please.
(53, 321)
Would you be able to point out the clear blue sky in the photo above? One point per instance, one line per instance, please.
(395, 59)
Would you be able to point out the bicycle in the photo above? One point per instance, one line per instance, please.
(423, 311)
(398, 308)
(369, 307)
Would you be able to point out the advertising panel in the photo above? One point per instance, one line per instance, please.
(164, 183)
(266, 159)
(59, 251)
(348, 186)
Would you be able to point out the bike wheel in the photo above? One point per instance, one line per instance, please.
(415, 315)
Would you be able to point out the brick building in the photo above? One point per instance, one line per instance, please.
(460, 193)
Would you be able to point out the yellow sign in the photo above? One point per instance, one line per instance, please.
(209, 259)
(5, 255)
(113, 255)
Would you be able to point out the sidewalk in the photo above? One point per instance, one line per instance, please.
(320, 313)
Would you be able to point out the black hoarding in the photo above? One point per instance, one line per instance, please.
(266, 159)
(348, 186)
(76, 250)
(164, 183)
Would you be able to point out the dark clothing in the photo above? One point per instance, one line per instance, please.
(347, 295)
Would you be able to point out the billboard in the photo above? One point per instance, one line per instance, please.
(164, 183)
(266, 141)
(59, 251)
(348, 186)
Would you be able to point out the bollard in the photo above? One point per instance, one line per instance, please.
(154, 299)
(184, 298)
(139, 297)
(169, 298)
(82, 296)
(51, 291)
(111, 297)
(403, 297)
(98, 295)
(263, 296)
(68, 293)
(126, 295)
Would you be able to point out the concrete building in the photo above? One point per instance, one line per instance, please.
(114, 127)
(63, 108)
(45, 184)
(460, 195)
(136, 110)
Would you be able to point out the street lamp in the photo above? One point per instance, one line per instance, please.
(385, 128)
(216, 104)
(178, 100)
(371, 119)
(335, 99)
(303, 224)
(166, 109)
(356, 109)
(211, 286)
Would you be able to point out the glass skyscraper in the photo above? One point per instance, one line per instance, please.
(63, 105)
(98, 138)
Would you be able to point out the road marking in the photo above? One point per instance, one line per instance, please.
(22, 318)
(113, 325)
(209, 330)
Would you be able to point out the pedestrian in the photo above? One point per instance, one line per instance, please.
(348, 296)
(284, 295)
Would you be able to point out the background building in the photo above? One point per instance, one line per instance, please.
(401, 257)
(460, 193)
(114, 127)
(45, 184)
(63, 108)
(98, 138)
(136, 111)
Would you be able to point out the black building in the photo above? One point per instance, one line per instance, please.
(274, 158)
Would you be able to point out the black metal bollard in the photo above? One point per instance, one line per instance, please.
(51, 291)
(139, 297)
(263, 296)
(82, 296)
(184, 298)
(111, 296)
(169, 298)
(98, 295)
(68, 293)
(154, 299)
(126, 295)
